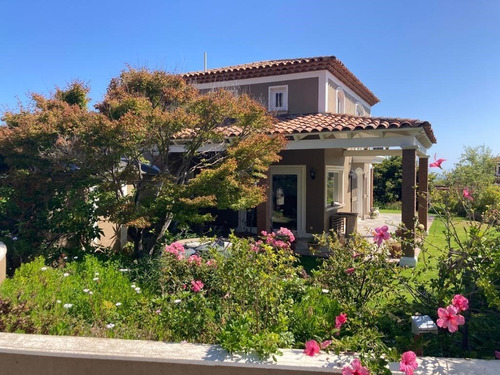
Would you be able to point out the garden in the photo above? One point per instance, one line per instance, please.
(254, 296)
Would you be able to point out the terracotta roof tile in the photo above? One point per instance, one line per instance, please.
(331, 122)
(286, 66)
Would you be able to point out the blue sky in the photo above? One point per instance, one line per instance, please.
(435, 60)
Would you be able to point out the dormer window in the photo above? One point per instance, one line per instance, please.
(340, 100)
(278, 98)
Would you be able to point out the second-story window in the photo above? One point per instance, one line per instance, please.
(340, 100)
(360, 110)
(278, 98)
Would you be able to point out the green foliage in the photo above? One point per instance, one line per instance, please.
(387, 179)
(59, 159)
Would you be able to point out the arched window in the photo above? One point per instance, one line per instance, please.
(360, 110)
(340, 100)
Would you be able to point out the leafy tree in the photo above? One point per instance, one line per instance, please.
(155, 151)
(387, 179)
(474, 173)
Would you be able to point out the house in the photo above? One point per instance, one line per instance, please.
(324, 110)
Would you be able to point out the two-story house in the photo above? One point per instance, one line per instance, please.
(324, 112)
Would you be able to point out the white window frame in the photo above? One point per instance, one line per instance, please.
(359, 109)
(340, 102)
(273, 90)
(339, 171)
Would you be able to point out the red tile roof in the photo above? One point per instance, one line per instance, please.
(332, 122)
(286, 66)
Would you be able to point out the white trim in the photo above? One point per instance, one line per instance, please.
(339, 100)
(322, 92)
(340, 171)
(361, 192)
(358, 107)
(271, 90)
(300, 171)
(254, 81)
(403, 141)
(347, 89)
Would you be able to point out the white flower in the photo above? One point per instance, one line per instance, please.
(44, 268)
(133, 286)
(138, 290)
(14, 238)
(86, 290)
(95, 279)
(177, 301)
(325, 291)
(118, 304)
(65, 258)
(75, 257)
(123, 269)
(91, 292)
(66, 274)
(110, 325)
(96, 273)
(68, 305)
(58, 301)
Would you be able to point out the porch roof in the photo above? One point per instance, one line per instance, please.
(330, 130)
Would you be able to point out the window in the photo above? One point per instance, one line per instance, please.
(360, 110)
(278, 98)
(334, 186)
(340, 100)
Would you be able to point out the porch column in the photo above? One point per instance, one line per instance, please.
(423, 190)
(264, 209)
(409, 200)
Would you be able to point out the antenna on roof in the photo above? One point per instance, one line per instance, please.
(205, 62)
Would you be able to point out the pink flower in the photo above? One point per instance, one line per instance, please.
(340, 320)
(408, 362)
(497, 354)
(196, 286)
(325, 344)
(211, 263)
(312, 348)
(284, 232)
(449, 318)
(381, 234)
(176, 249)
(355, 369)
(195, 259)
(460, 302)
(349, 270)
(467, 195)
(437, 163)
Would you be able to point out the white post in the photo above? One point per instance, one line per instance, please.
(3, 262)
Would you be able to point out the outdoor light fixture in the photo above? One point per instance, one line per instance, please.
(312, 173)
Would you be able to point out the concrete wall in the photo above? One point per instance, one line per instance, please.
(3, 261)
(58, 355)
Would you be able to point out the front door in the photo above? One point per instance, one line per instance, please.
(287, 198)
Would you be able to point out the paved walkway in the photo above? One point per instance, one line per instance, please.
(366, 227)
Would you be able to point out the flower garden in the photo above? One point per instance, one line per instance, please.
(255, 296)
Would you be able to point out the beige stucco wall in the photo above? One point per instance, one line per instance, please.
(349, 104)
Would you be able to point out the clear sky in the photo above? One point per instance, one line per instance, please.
(435, 60)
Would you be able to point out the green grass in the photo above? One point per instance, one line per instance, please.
(389, 211)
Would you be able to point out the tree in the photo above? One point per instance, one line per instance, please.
(475, 173)
(153, 135)
(387, 179)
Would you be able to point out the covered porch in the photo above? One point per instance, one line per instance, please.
(358, 141)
